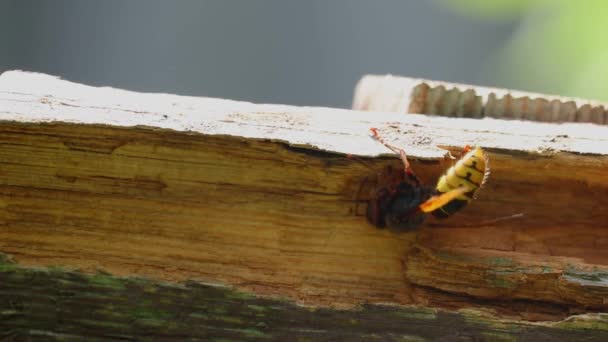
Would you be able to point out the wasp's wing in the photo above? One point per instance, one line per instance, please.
(439, 201)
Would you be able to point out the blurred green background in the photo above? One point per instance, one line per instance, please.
(309, 52)
(559, 46)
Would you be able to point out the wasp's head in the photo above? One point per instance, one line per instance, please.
(401, 210)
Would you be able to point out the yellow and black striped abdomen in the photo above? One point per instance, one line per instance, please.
(470, 171)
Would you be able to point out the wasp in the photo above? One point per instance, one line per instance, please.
(401, 202)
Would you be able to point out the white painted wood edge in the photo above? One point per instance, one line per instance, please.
(28, 97)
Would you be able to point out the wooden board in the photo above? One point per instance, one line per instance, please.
(412, 95)
(64, 305)
(262, 197)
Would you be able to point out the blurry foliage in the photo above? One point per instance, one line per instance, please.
(560, 46)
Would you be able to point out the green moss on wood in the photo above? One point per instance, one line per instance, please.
(60, 304)
(581, 322)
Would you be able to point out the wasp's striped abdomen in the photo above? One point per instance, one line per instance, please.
(471, 171)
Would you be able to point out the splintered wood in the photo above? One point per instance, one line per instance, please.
(408, 95)
(262, 197)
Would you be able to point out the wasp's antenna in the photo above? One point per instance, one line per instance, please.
(502, 218)
(480, 224)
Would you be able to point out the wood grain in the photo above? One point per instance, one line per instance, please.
(262, 197)
(59, 304)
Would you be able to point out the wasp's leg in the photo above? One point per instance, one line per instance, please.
(465, 149)
(395, 149)
(436, 202)
(406, 164)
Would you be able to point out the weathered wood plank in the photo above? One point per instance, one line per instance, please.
(514, 275)
(262, 197)
(59, 304)
(29, 97)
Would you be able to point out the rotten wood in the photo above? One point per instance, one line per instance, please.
(262, 198)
